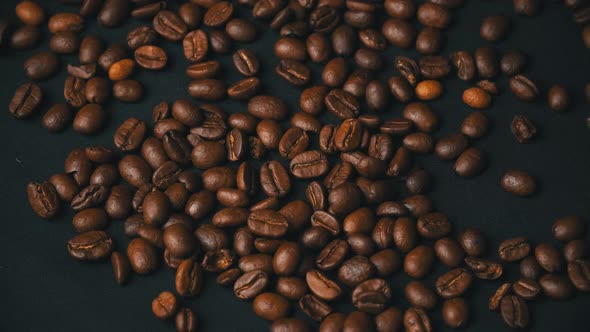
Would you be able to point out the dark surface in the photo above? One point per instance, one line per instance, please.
(44, 289)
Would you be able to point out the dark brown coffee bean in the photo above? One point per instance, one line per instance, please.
(44, 199)
(41, 66)
(293, 72)
(267, 107)
(495, 300)
(90, 220)
(579, 274)
(267, 223)
(25, 101)
(151, 57)
(114, 13)
(475, 125)
(465, 65)
(529, 268)
(514, 249)
(219, 177)
(450, 147)
(90, 246)
(241, 30)
(207, 69)
(64, 42)
(512, 63)
(455, 312)
(342, 104)
(518, 183)
(449, 252)
(271, 306)
(453, 283)
(246, 62)
(556, 287)
(250, 284)
(128, 91)
(558, 98)
(523, 88)
(568, 228)
(188, 278)
(515, 312)
(274, 179)
(470, 163)
(523, 129)
(130, 134)
(420, 296)
(418, 142)
(399, 33)
(528, 289)
(371, 296)
(186, 320)
(218, 14)
(433, 225)
(135, 170)
(230, 217)
(195, 46)
(30, 13)
(487, 62)
(416, 320)
(418, 262)
(165, 305)
(65, 22)
(207, 89)
(548, 257)
(323, 19)
(169, 25)
(484, 269)
(494, 28)
(90, 196)
(526, 7)
(121, 267)
(313, 307)
(141, 36)
(25, 37)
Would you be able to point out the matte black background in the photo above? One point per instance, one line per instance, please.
(44, 289)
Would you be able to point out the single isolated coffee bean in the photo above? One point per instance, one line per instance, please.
(523, 129)
(519, 183)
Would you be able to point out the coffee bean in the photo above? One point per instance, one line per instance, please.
(470, 163)
(416, 320)
(164, 305)
(418, 262)
(529, 268)
(487, 62)
(186, 320)
(528, 289)
(169, 25)
(66, 22)
(321, 286)
(514, 249)
(494, 28)
(241, 30)
(523, 88)
(428, 90)
(219, 14)
(515, 312)
(274, 179)
(25, 37)
(568, 228)
(475, 125)
(44, 199)
(41, 66)
(499, 294)
(418, 142)
(473, 242)
(484, 269)
(477, 98)
(455, 312)
(556, 287)
(579, 274)
(267, 107)
(465, 65)
(398, 33)
(188, 278)
(449, 252)
(558, 98)
(90, 246)
(518, 183)
(371, 296)
(121, 267)
(526, 7)
(25, 100)
(453, 283)
(246, 62)
(434, 66)
(267, 223)
(30, 13)
(271, 306)
(548, 257)
(293, 72)
(141, 36)
(128, 91)
(151, 57)
(523, 129)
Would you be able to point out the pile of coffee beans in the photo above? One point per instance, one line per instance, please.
(204, 190)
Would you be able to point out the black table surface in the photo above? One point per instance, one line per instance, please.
(44, 289)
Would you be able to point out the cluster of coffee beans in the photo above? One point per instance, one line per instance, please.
(239, 170)
(581, 16)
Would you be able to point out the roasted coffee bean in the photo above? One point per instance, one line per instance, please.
(556, 287)
(207, 89)
(165, 305)
(579, 274)
(371, 296)
(267, 107)
(130, 134)
(523, 129)
(568, 228)
(135, 170)
(90, 246)
(487, 62)
(449, 252)
(530, 268)
(195, 45)
(420, 296)
(455, 312)
(475, 125)
(228, 277)
(241, 30)
(518, 183)
(416, 320)
(219, 177)
(246, 62)
(494, 28)
(515, 312)
(318, 47)
(97, 90)
(453, 283)
(188, 278)
(312, 99)
(477, 98)
(526, 7)
(470, 163)
(207, 69)
(418, 142)
(128, 91)
(499, 294)
(169, 25)
(274, 179)
(528, 289)
(523, 88)
(356, 84)
(558, 98)
(25, 101)
(30, 13)
(141, 36)
(230, 217)
(484, 269)
(309, 164)
(313, 307)
(65, 42)
(473, 242)
(218, 14)
(44, 199)
(25, 37)
(322, 286)
(548, 257)
(267, 223)
(41, 66)
(250, 284)
(151, 57)
(512, 63)
(465, 65)
(293, 288)
(428, 90)
(514, 249)
(418, 262)
(66, 22)
(114, 13)
(186, 320)
(90, 220)
(293, 72)
(399, 33)
(342, 104)
(271, 306)
(434, 66)
(450, 147)
(91, 196)
(433, 225)
(121, 267)
(65, 186)
(119, 202)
